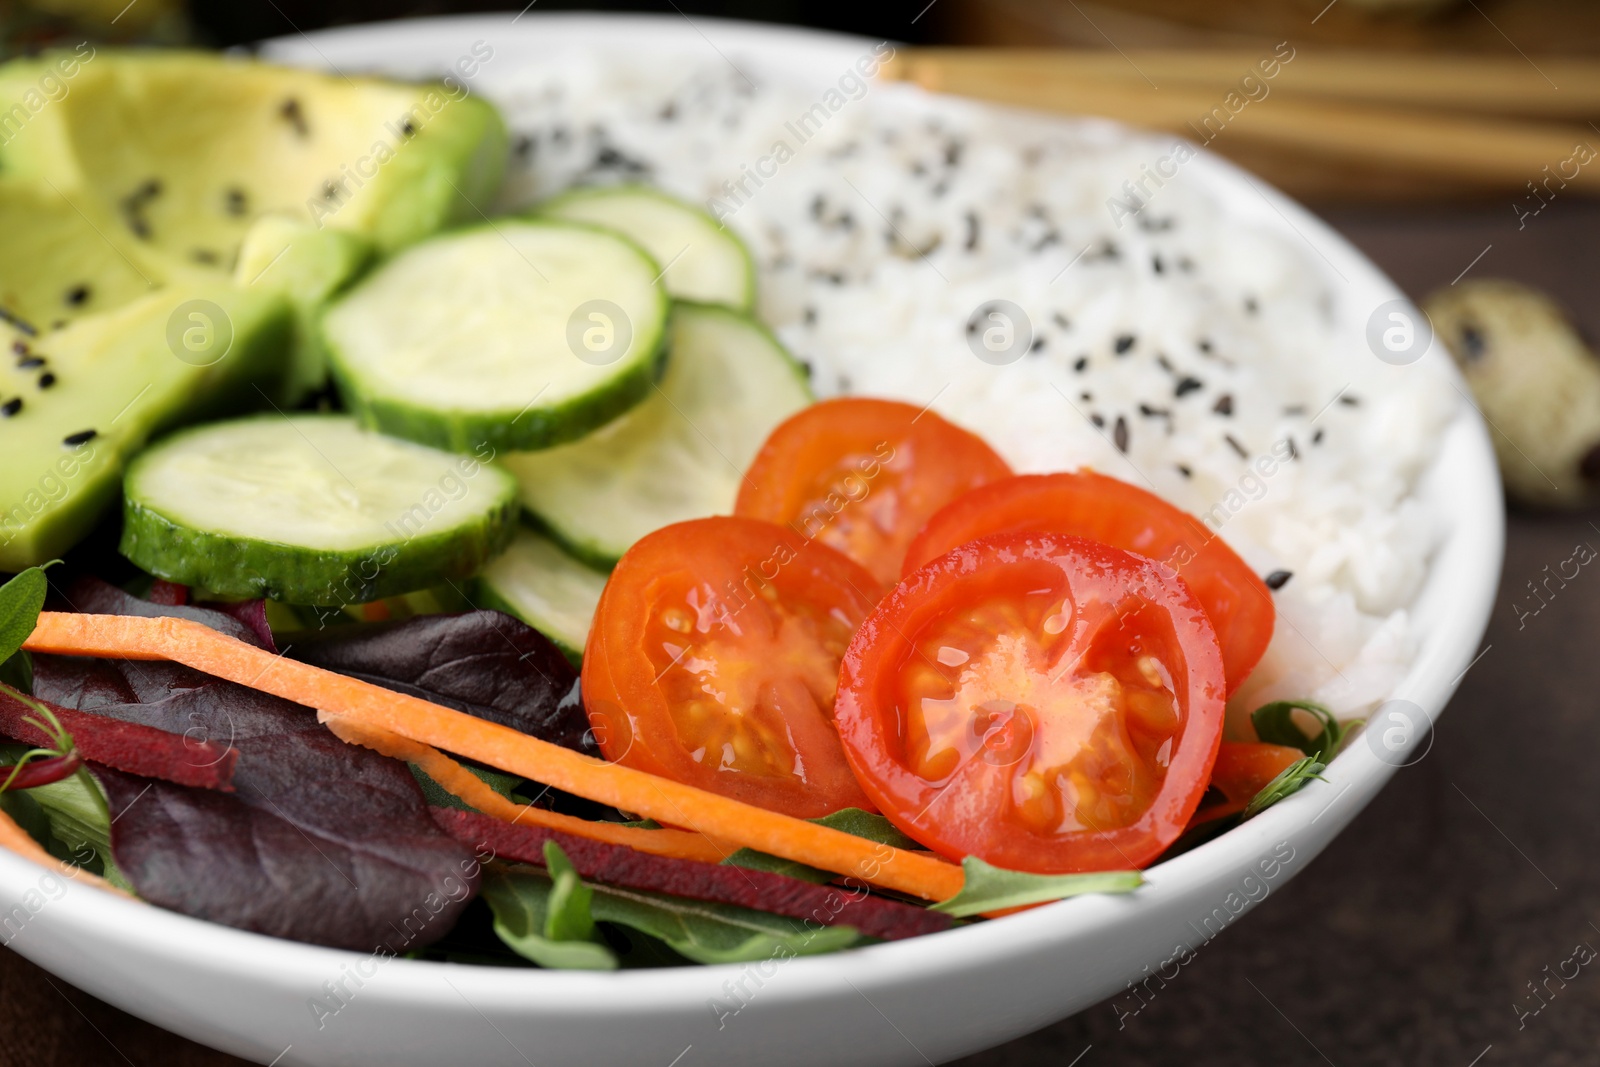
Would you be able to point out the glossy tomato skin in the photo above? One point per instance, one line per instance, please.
(863, 475)
(713, 659)
(1044, 703)
(1086, 504)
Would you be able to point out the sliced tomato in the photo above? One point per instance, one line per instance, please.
(714, 657)
(1243, 769)
(1086, 504)
(1044, 703)
(863, 476)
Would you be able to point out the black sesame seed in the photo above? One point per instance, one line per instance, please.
(1186, 385)
(1154, 413)
(1472, 343)
(1086, 396)
(1185, 471)
(1156, 264)
(1224, 404)
(1098, 420)
(1081, 364)
(291, 113)
(1124, 343)
(1316, 438)
(1278, 579)
(1038, 343)
(19, 347)
(1236, 446)
(79, 438)
(1349, 401)
(1061, 320)
(1294, 453)
(77, 296)
(1203, 345)
(1119, 435)
(1164, 363)
(31, 363)
(11, 407)
(235, 202)
(46, 380)
(972, 230)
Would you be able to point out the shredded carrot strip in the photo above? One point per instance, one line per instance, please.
(17, 840)
(662, 799)
(461, 783)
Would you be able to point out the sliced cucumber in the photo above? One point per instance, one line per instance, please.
(519, 334)
(680, 454)
(544, 587)
(703, 260)
(311, 509)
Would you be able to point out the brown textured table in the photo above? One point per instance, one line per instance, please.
(1412, 938)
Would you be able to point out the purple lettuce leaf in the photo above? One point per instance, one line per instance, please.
(321, 841)
(483, 663)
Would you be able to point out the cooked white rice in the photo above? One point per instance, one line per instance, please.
(905, 212)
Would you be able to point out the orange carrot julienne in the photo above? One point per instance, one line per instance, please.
(462, 784)
(16, 839)
(718, 817)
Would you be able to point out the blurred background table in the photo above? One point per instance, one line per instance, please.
(1413, 939)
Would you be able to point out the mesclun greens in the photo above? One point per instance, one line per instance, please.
(549, 922)
(990, 888)
(21, 600)
(528, 900)
(1275, 725)
(1294, 778)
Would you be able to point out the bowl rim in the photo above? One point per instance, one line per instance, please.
(1474, 544)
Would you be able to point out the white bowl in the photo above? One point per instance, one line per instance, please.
(919, 1001)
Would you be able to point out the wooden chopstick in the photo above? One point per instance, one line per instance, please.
(1485, 151)
(1548, 87)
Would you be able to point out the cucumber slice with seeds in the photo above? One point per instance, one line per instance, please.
(542, 585)
(681, 453)
(703, 260)
(311, 509)
(517, 335)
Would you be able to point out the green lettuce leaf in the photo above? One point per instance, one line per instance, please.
(21, 600)
(547, 919)
(988, 888)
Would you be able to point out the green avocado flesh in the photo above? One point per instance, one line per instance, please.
(132, 183)
(99, 388)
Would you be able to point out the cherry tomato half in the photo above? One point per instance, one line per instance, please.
(714, 657)
(1045, 703)
(863, 476)
(1086, 504)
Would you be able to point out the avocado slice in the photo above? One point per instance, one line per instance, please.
(134, 183)
(76, 402)
(187, 149)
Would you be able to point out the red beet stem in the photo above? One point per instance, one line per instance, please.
(41, 771)
(761, 890)
(126, 746)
